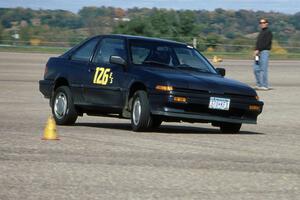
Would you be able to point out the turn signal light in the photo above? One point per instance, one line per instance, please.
(164, 88)
(180, 99)
(257, 98)
(254, 107)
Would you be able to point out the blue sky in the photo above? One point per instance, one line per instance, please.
(285, 6)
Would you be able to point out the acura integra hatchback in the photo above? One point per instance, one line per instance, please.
(148, 81)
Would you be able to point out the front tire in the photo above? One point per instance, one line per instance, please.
(140, 112)
(230, 127)
(63, 108)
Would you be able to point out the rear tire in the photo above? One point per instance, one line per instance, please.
(230, 127)
(140, 112)
(63, 108)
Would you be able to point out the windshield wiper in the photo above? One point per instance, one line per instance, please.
(193, 69)
(156, 63)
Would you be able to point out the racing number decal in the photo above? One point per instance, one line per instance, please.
(103, 76)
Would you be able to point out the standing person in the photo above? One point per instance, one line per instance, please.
(262, 50)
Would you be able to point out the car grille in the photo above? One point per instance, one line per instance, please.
(199, 100)
(195, 93)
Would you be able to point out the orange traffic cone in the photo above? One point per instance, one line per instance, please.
(217, 59)
(50, 130)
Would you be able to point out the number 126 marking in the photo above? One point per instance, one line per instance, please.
(103, 76)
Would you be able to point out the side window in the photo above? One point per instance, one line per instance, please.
(139, 54)
(110, 47)
(85, 52)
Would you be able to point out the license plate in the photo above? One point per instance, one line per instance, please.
(219, 103)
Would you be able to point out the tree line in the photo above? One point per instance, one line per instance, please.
(223, 30)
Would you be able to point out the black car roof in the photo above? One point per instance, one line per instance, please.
(144, 38)
(130, 37)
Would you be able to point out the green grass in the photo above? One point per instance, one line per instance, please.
(223, 55)
(33, 49)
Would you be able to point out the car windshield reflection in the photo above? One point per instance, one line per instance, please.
(181, 57)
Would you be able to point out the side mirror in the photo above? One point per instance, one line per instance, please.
(221, 71)
(117, 60)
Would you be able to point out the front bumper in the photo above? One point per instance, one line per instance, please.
(196, 108)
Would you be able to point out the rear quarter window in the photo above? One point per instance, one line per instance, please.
(85, 52)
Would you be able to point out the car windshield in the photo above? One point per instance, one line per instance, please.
(160, 54)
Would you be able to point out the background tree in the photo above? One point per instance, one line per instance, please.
(218, 30)
(1, 32)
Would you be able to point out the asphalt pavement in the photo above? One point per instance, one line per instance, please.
(101, 158)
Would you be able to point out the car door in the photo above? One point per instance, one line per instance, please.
(77, 66)
(105, 80)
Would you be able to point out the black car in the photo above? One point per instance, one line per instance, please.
(146, 80)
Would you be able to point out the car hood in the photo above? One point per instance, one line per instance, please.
(211, 83)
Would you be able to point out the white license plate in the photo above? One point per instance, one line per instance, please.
(219, 103)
